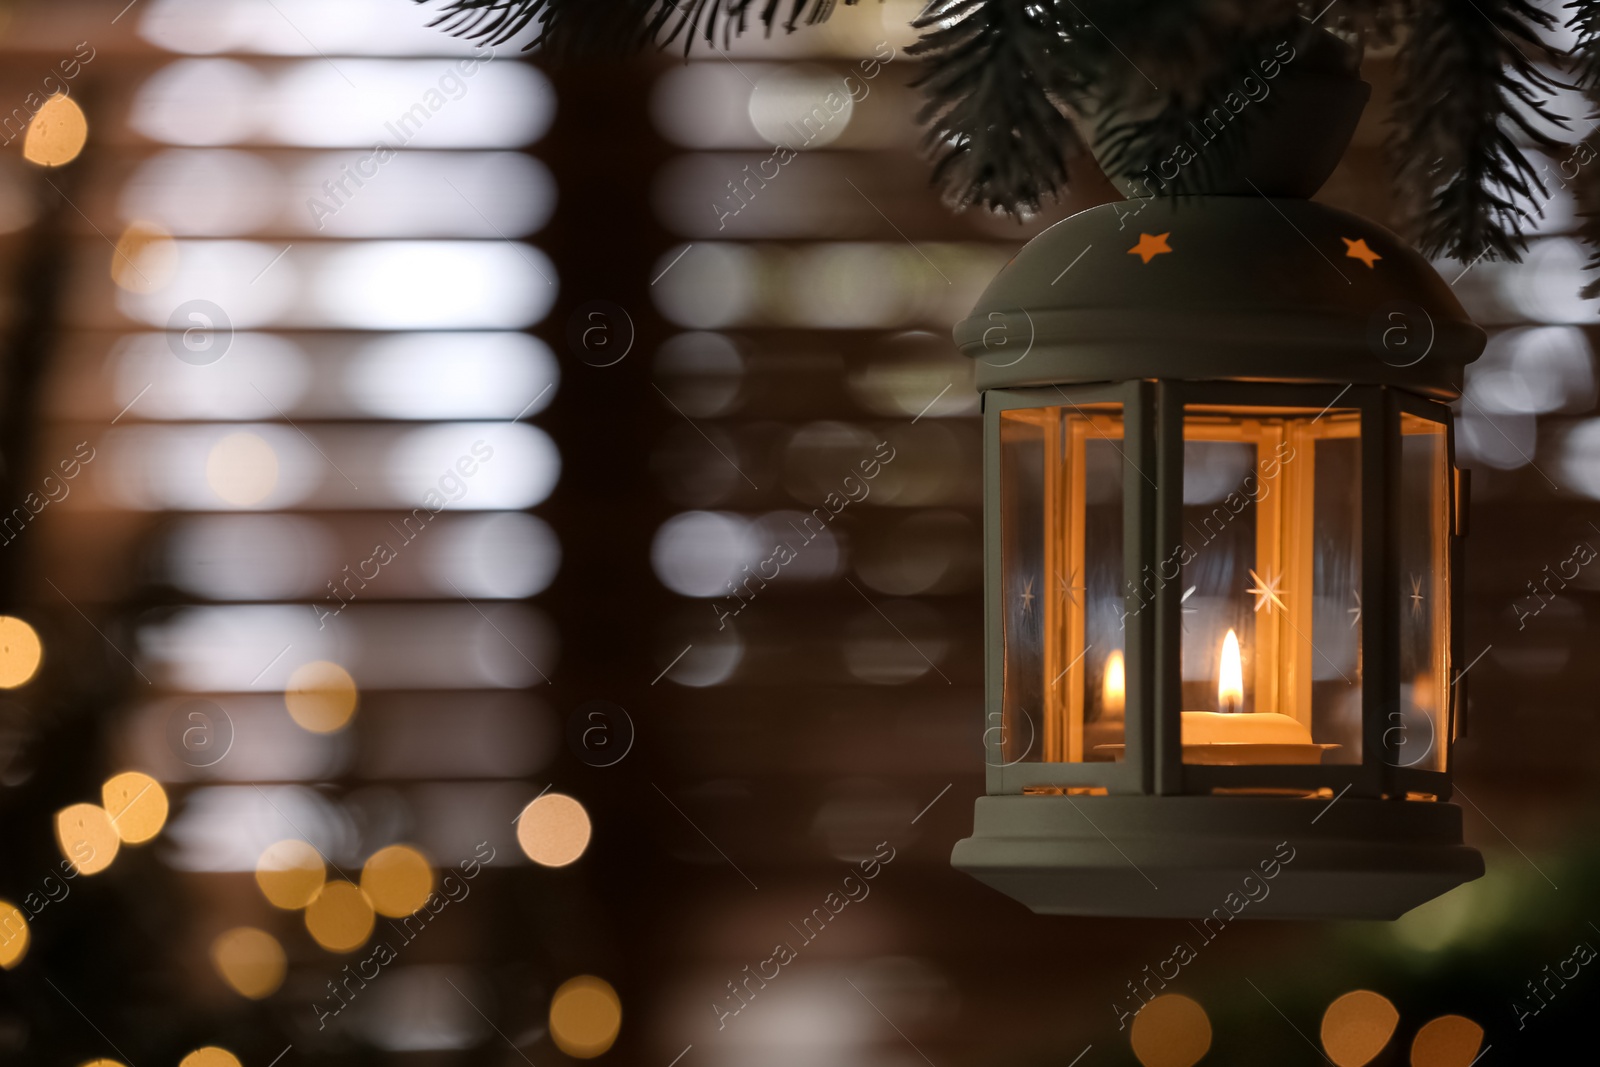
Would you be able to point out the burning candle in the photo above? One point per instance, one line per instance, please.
(1113, 690)
(1230, 676)
(1231, 735)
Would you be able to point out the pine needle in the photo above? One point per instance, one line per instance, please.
(1469, 80)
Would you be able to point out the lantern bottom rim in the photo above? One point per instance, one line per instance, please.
(1217, 857)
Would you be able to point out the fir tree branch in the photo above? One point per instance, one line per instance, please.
(571, 29)
(1585, 23)
(1133, 144)
(1005, 80)
(1007, 77)
(1366, 22)
(1175, 47)
(1468, 79)
(1000, 79)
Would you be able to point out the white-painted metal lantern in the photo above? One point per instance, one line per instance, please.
(1223, 545)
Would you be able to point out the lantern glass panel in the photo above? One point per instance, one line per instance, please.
(1270, 574)
(1424, 529)
(1061, 528)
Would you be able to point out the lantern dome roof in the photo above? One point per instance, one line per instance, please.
(1241, 288)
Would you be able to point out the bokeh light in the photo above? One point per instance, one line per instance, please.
(145, 258)
(1540, 288)
(894, 642)
(914, 374)
(1357, 1026)
(706, 105)
(397, 880)
(554, 830)
(585, 1015)
(692, 651)
(701, 372)
(137, 805)
(509, 105)
(801, 106)
(251, 961)
(340, 918)
(200, 102)
(1171, 1031)
(250, 557)
(698, 553)
(57, 133)
(290, 874)
(204, 192)
(13, 935)
(20, 652)
(87, 837)
(433, 285)
(501, 556)
(457, 375)
(210, 1056)
(1534, 371)
(321, 696)
(242, 469)
(1448, 1041)
(714, 285)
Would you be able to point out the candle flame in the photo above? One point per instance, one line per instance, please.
(1230, 676)
(1113, 691)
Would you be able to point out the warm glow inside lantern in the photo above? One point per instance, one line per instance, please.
(1223, 537)
(1268, 565)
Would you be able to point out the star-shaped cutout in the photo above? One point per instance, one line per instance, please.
(1026, 596)
(1266, 592)
(1358, 249)
(1150, 246)
(1068, 590)
(1416, 594)
(1355, 612)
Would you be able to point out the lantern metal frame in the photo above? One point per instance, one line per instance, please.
(1153, 438)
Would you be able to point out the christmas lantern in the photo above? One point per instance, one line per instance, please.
(1223, 536)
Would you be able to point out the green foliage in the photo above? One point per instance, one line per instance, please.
(1585, 22)
(596, 28)
(1009, 83)
(1469, 82)
(1001, 76)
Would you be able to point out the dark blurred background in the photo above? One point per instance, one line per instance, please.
(570, 351)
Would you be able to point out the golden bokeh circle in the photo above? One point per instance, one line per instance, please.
(210, 1056)
(1357, 1026)
(1171, 1031)
(554, 830)
(340, 918)
(57, 133)
(397, 880)
(101, 1063)
(137, 805)
(585, 1016)
(144, 258)
(21, 652)
(1448, 1041)
(14, 935)
(87, 837)
(290, 874)
(251, 961)
(321, 696)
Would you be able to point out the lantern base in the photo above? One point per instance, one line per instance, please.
(1195, 857)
